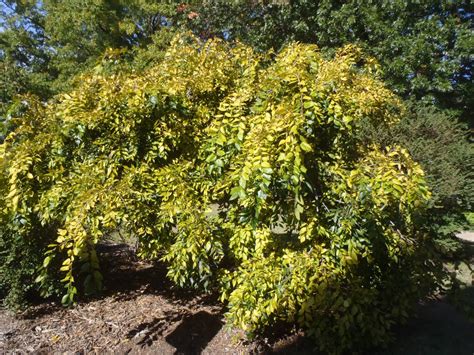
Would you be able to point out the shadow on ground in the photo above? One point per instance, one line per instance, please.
(193, 334)
(126, 277)
(140, 311)
(437, 329)
(194, 330)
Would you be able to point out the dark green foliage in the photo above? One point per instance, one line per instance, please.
(244, 174)
(24, 56)
(44, 45)
(20, 257)
(425, 47)
(441, 145)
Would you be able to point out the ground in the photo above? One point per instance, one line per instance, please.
(141, 312)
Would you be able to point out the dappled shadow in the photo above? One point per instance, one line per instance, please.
(463, 299)
(147, 333)
(126, 277)
(39, 309)
(437, 328)
(194, 332)
(295, 344)
(138, 311)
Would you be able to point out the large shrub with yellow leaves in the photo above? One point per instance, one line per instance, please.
(243, 173)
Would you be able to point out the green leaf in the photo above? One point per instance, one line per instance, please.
(305, 147)
(46, 261)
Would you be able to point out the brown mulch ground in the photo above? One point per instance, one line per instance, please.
(141, 312)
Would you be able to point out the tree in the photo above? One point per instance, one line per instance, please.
(425, 52)
(44, 45)
(424, 47)
(23, 52)
(242, 173)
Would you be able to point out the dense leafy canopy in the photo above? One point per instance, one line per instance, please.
(425, 51)
(45, 44)
(240, 172)
(425, 47)
(278, 177)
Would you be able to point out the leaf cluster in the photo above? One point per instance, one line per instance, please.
(424, 47)
(244, 174)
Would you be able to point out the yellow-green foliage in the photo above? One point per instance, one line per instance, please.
(240, 172)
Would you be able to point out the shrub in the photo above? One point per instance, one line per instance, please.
(439, 143)
(242, 173)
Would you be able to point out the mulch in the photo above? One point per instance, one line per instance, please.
(141, 312)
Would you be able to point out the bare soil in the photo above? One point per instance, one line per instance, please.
(141, 312)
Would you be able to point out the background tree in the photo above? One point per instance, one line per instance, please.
(424, 47)
(24, 53)
(425, 52)
(45, 44)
